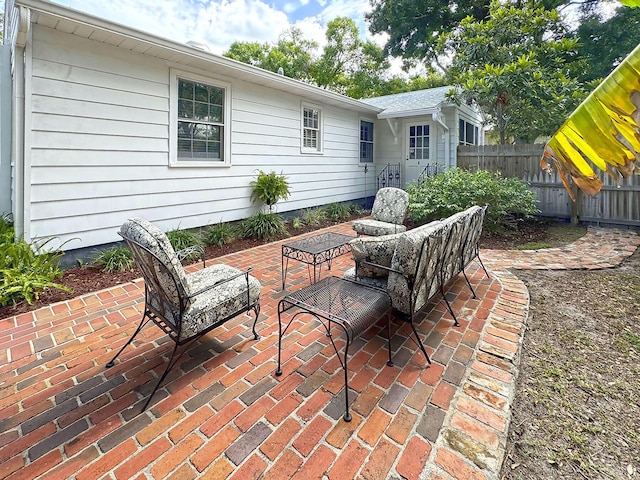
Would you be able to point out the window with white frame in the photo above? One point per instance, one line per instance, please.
(366, 141)
(200, 121)
(311, 129)
(468, 133)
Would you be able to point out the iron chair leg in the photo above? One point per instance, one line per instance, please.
(143, 322)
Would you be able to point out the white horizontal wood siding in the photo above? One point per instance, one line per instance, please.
(100, 146)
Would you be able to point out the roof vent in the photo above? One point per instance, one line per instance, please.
(199, 45)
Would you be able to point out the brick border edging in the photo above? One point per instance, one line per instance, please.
(454, 448)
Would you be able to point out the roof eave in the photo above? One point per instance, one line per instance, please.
(256, 75)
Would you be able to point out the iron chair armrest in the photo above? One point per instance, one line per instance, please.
(222, 282)
(182, 254)
(371, 264)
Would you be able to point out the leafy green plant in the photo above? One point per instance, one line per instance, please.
(181, 239)
(338, 211)
(313, 216)
(25, 269)
(509, 199)
(269, 188)
(263, 226)
(220, 234)
(115, 259)
(296, 223)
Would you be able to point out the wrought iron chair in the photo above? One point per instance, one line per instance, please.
(185, 306)
(387, 215)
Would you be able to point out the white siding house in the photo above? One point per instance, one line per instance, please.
(103, 119)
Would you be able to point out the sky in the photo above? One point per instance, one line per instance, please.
(218, 23)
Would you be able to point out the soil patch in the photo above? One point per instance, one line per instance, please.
(576, 412)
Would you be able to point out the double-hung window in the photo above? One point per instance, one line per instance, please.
(366, 141)
(200, 121)
(467, 133)
(311, 129)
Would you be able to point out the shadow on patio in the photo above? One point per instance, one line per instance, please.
(222, 413)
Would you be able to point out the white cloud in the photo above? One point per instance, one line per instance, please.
(216, 23)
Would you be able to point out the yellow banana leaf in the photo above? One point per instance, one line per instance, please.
(630, 3)
(604, 131)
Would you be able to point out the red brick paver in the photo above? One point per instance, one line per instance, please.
(222, 413)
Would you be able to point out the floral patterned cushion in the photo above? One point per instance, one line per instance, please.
(166, 268)
(387, 215)
(218, 302)
(378, 282)
(375, 250)
(405, 263)
(374, 228)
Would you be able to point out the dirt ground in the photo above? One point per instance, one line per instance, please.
(576, 413)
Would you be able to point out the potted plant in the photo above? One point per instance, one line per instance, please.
(269, 188)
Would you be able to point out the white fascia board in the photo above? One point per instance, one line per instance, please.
(241, 70)
(407, 113)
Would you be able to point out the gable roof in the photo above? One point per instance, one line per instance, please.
(78, 23)
(419, 102)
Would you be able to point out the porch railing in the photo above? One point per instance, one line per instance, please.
(390, 176)
(430, 171)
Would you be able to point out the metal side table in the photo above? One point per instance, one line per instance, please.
(351, 306)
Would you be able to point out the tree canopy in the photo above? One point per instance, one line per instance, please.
(413, 26)
(519, 66)
(605, 43)
(346, 64)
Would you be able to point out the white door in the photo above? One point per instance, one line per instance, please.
(418, 150)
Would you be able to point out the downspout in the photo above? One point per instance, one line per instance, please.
(20, 208)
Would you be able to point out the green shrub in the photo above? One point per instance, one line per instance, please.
(25, 269)
(442, 195)
(181, 239)
(313, 216)
(296, 223)
(220, 234)
(338, 211)
(263, 226)
(269, 188)
(115, 259)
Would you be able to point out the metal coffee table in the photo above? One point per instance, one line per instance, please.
(351, 306)
(315, 250)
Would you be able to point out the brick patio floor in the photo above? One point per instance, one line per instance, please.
(222, 413)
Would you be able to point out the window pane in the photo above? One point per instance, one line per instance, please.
(412, 131)
(215, 114)
(426, 131)
(216, 96)
(185, 109)
(184, 130)
(419, 131)
(185, 89)
(201, 93)
(201, 111)
(469, 134)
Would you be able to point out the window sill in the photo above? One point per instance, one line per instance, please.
(192, 164)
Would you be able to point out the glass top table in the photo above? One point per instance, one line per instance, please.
(314, 251)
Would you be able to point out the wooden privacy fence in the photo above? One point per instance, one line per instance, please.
(614, 205)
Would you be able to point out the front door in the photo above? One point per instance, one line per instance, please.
(418, 151)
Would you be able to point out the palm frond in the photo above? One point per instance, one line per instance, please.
(603, 132)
